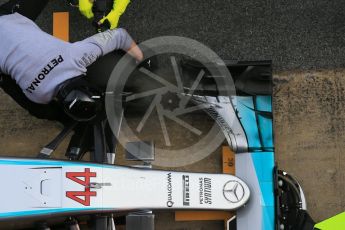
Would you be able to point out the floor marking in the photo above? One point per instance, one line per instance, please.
(61, 25)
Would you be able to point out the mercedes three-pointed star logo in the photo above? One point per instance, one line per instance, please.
(233, 191)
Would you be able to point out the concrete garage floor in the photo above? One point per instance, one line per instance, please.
(305, 41)
(309, 135)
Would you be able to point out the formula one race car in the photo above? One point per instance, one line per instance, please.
(44, 190)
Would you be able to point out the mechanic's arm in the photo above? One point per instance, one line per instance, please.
(103, 43)
(85, 8)
(111, 40)
(135, 52)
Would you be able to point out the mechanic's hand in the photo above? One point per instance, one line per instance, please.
(85, 8)
(112, 19)
(150, 61)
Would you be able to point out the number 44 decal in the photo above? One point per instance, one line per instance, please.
(87, 194)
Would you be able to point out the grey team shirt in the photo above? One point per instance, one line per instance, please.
(39, 62)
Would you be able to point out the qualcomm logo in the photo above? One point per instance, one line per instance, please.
(233, 191)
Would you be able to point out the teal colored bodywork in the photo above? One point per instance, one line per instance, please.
(257, 165)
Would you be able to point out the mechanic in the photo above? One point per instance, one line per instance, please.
(40, 63)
